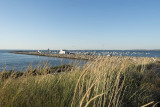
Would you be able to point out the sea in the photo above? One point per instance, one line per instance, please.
(21, 62)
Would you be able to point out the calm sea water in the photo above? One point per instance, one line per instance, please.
(21, 62)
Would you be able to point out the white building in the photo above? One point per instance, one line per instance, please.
(63, 52)
(39, 51)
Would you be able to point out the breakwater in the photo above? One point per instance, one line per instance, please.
(70, 56)
(135, 59)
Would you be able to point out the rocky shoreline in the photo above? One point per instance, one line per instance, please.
(69, 56)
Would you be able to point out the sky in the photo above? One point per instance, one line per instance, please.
(80, 24)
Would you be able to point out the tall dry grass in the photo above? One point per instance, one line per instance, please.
(111, 82)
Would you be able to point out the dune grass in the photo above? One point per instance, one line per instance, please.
(111, 82)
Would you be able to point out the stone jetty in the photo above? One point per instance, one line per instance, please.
(70, 56)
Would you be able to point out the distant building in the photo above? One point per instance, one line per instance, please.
(39, 51)
(63, 52)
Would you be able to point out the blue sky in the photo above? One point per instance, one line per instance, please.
(80, 24)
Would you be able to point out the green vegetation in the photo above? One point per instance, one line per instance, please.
(111, 81)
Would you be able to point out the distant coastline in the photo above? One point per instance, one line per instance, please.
(79, 57)
(90, 54)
